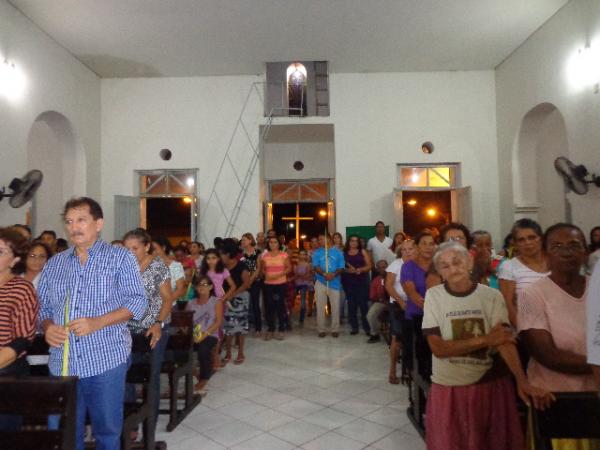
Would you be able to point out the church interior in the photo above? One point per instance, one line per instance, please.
(205, 119)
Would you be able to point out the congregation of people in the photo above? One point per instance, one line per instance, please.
(499, 328)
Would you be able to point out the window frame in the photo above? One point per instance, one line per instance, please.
(454, 182)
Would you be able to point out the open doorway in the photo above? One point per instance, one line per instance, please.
(425, 209)
(169, 217)
(298, 222)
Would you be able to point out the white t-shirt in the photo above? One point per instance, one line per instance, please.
(381, 250)
(593, 318)
(455, 318)
(523, 276)
(396, 267)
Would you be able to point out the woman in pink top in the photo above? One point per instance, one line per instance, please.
(213, 268)
(274, 267)
(552, 317)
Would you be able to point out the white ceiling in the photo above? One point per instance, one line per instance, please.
(139, 38)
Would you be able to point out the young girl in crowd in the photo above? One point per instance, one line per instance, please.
(208, 318)
(213, 268)
(36, 259)
(303, 280)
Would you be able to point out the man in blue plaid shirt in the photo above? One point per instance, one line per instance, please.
(100, 288)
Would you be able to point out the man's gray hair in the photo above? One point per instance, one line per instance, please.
(451, 246)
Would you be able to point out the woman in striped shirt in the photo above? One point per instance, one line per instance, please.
(18, 312)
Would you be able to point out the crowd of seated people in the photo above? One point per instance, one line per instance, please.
(488, 330)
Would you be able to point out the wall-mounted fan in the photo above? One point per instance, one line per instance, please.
(575, 176)
(23, 189)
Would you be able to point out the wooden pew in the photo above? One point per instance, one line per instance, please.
(420, 380)
(179, 363)
(142, 373)
(37, 397)
(574, 415)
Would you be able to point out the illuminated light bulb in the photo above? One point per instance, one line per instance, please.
(189, 182)
(412, 202)
(303, 236)
(291, 225)
(584, 67)
(12, 81)
(322, 213)
(431, 212)
(187, 200)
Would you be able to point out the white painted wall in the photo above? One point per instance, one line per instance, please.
(195, 118)
(538, 72)
(55, 81)
(311, 144)
(380, 120)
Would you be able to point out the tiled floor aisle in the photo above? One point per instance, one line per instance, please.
(303, 392)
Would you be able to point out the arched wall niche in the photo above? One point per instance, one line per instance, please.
(54, 148)
(538, 191)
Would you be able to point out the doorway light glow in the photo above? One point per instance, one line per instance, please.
(431, 212)
(190, 182)
(411, 202)
(322, 213)
(187, 200)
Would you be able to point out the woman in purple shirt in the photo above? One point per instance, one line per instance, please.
(355, 280)
(413, 279)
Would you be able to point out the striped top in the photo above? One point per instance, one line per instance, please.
(109, 280)
(18, 314)
(275, 267)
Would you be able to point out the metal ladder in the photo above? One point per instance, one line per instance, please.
(231, 217)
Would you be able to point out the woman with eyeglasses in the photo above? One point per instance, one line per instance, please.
(552, 317)
(527, 267)
(38, 255)
(18, 313)
(208, 318)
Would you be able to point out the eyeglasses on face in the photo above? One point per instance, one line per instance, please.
(573, 247)
(5, 251)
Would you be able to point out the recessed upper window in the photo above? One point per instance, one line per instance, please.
(428, 177)
(296, 88)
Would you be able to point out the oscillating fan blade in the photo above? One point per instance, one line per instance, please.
(25, 188)
(571, 175)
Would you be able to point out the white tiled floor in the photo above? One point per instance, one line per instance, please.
(301, 393)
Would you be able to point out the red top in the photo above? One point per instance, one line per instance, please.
(377, 291)
(18, 314)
